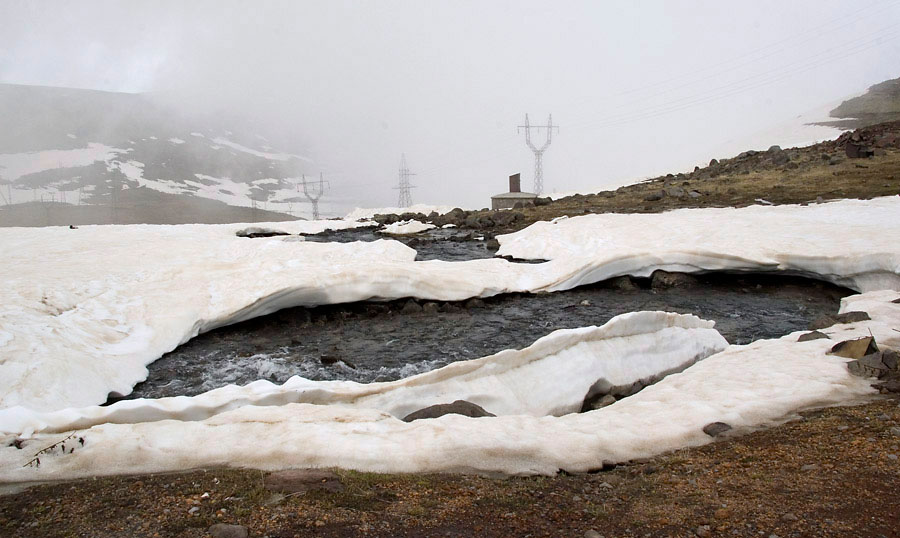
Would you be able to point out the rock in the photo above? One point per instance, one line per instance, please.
(655, 196)
(411, 307)
(694, 194)
(713, 162)
(430, 308)
(592, 534)
(221, 530)
(542, 201)
(607, 399)
(622, 283)
(492, 244)
(790, 517)
(664, 280)
(714, 429)
(774, 149)
(877, 364)
(459, 407)
(855, 349)
(474, 302)
(814, 335)
(896, 301)
(810, 467)
(303, 480)
(846, 317)
(703, 531)
(675, 192)
(895, 431)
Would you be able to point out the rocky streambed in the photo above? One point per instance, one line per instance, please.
(370, 341)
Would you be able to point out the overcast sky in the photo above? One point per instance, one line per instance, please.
(637, 88)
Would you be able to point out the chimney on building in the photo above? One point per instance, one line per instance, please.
(515, 184)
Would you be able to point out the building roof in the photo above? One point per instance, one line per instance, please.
(515, 195)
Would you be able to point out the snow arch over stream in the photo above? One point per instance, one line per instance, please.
(84, 311)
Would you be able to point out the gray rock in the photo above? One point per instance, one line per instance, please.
(622, 283)
(871, 365)
(303, 480)
(895, 431)
(713, 162)
(814, 335)
(474, 302)
(459, 407)
(543, 201)
(592, 534)
(790, 517)
(675, 192)
(846, 317)
(221, 530)
(430, 308)
(773, 149)
(714, 429)
(694, 194)
(703, 531)
(665, 280)
(655, 196)
(411, 307)
(810, 467)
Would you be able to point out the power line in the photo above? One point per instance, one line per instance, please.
(314, 198)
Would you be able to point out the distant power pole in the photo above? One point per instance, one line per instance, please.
(405, 200)
(538, 153)
(314, 199)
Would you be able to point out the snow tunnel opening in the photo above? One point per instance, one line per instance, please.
(384, 341)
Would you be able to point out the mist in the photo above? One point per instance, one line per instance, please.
(637, 89)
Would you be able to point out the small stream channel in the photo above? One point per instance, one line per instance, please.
(368, 341)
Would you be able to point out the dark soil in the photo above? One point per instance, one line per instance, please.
(830, 474)
(384, 341)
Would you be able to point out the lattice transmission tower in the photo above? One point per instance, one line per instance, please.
(314, 198)
(538, 152)
(404, 200)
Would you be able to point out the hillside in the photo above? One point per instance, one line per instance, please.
(881, 103)
(88, 148)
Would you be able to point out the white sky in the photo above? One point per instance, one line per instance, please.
(637, 88)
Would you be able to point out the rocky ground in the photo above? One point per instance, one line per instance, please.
(804, 175)
(831, 472)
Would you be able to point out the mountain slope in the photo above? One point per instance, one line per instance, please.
(60, 145)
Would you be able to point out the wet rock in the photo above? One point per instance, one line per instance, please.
(855, 349)
(474, 302)
(846, 317)
(623, 283)
(714, 429)
(303, 480)
(459, 407)
(814, 335)
(665, 280)
(411, 307)
(256, 231)
(655, 196)
(221, 530)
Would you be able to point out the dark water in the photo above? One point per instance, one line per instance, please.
(383, 341)
(451, 244)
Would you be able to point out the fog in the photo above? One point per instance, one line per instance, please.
(637, 88)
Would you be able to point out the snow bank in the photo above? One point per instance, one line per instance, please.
(82, 312)
(368, 213)
(851, 243)
(406, 227)
(745, 386)
(550, 377)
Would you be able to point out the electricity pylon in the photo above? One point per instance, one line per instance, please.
(314, 199)
(538, 153)
(404, 200)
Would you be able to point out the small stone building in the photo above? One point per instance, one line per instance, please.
(515, 195)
